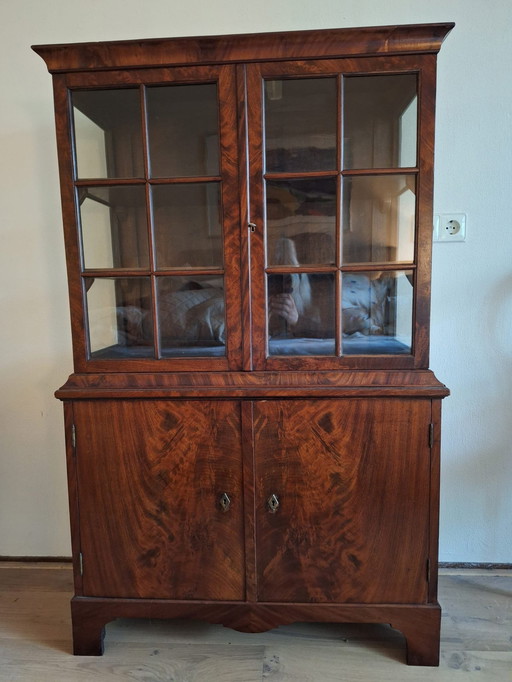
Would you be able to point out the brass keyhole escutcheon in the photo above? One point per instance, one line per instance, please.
(273, 503)
(224, 502)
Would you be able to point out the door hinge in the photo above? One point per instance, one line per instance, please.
(428, 570)
(430, 435)
(73, 436)
(81, 563)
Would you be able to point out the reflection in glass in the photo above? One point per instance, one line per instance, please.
(377, 312)
(119, 317)
(191, 316)
(183, 125)
(380, 121)
(301, 315)
(114, 227)
(301, 221)
(187, 225)
(108, 138)
(300, 124)
(378, 219)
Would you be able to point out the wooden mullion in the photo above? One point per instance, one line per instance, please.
(377, 267)
(185, 180)
(283, 175)
(291, 269)
(355, 172)
(108, 182)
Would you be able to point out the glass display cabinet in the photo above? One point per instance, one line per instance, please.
(252, 426)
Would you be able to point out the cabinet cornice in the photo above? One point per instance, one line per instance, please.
(252, 47)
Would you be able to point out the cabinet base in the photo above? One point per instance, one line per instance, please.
(420, 624)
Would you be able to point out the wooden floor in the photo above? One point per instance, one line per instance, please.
(35, 640)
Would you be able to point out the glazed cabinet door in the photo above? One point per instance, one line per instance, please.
(159, 497)
(150, 201)
(341, 200)
(342, 500)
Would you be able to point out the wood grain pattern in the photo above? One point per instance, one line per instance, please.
(244, 48)
(343, 442)
(150, 475)
(352, 481)
(253, 384)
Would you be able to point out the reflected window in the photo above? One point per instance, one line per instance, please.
(114, 227)
(191, 316)
(377, 312)
(120, 322)
(380, 121)
(379, 218)
(107, 130)
(300, 124)
(301, 221)
(187, 221)
(301, 313)
(183, 126)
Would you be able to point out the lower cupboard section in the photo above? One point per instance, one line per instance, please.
(253, 513)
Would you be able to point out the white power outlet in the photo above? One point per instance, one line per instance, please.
(450, 227)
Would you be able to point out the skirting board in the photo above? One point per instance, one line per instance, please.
(442, 564)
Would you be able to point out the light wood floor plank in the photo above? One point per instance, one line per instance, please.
(35, 641)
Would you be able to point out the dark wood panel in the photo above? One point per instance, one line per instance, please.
(246, 47)
(150, 476)
(352, 479)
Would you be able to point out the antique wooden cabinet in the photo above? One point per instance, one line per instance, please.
(252, 427)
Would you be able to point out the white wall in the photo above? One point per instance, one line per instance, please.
(472, 288)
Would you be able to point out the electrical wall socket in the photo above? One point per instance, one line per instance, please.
(450, 227)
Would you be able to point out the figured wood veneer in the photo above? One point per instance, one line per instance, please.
(348, 445)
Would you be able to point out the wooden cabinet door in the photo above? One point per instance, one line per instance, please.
(151, 475)
(351, 478)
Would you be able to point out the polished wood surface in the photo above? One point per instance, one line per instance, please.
(229, 61)
(347, 444)
(414, 38)
(35, 639)
(254, 384)
(151, 475)
(351, 477)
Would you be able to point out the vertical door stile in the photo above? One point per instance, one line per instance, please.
(339, 221)
(245, 216)
(254, 110)
(227, 92)
(149, 219)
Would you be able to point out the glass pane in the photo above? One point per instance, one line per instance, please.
(301, 317)
(120, 319)
(191, 316)
(379, 219)
(300, 124)
(114, 227)
(183, 124)
(380, 121)
(108, 138)
(377, 312)
(187, 225)
(301, 221)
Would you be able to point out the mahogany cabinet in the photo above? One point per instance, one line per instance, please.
(252, 427)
